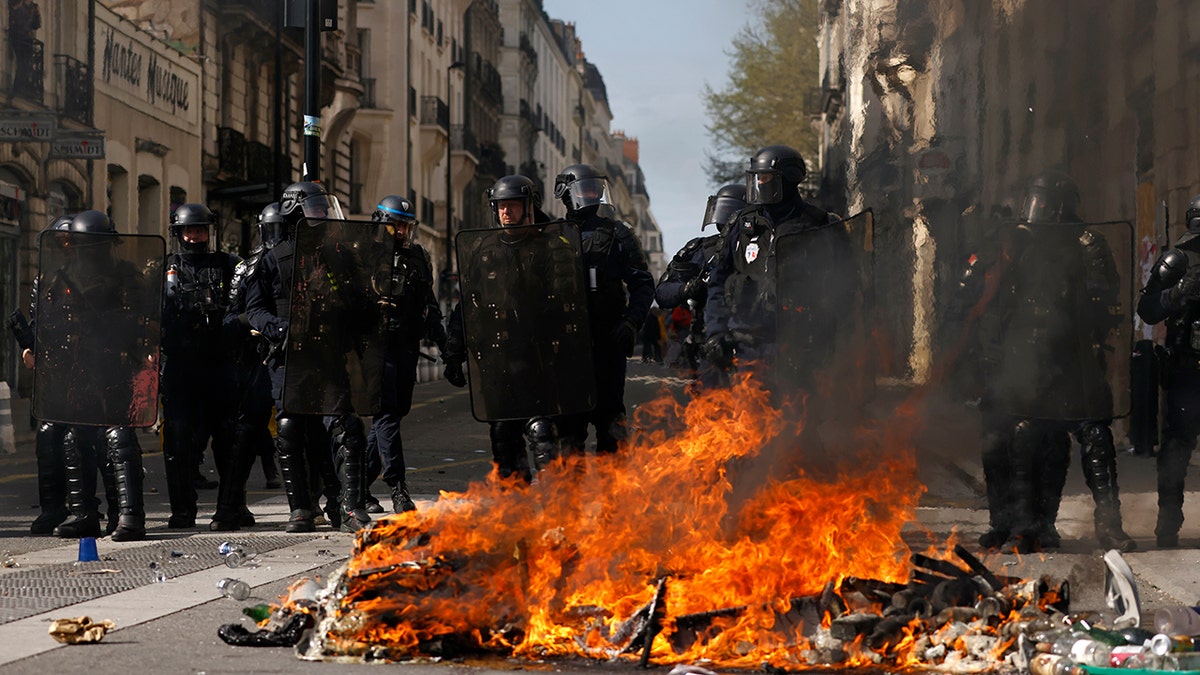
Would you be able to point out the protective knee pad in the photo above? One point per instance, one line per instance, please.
(290, 435)
(122, 445)
(1094, 434)
(348, 432)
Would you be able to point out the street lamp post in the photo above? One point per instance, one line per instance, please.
(449, 181)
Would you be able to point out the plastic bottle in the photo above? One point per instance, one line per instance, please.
(234, 588)
(1177, 620)
(1163, 644)
(1052, 664)
(236, 554)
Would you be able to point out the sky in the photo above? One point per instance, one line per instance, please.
(655, 57)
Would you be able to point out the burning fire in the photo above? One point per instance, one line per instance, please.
(661, 540)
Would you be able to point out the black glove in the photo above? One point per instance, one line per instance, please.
(1188, 287)
(719, 349)
(696, 289)
(454, 373)
(624, 336)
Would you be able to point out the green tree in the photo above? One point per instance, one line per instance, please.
(774, 64)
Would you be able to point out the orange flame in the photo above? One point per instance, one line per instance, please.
(723, 497)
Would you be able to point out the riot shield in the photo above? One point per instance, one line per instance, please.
(824, 281)
(1063, 304)
(96, 339)
(335, 350)
(524, 304)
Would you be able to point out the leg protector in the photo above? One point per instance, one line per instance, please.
(1026, 436)
(125, 456)
(997, 476)
(508, 449)
(542, 437)
(1053, 477)
(1172, 462)
(293, 468)
(350, 443)
(112, 493)
(1099, 458)
(231, 492)
(79, 462)
(51, 477)
(179, 465)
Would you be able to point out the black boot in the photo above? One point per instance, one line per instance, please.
(79, 462)
(52, 479)
(1172, 464)
(1100, 471)
(350, 442)
(401, 501)
(293, 468)
(126, 458)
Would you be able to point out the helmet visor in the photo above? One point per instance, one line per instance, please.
(720, 210)
(588, 192)
(322, 205)
(763, 187)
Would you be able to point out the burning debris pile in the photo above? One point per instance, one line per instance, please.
(657, 556)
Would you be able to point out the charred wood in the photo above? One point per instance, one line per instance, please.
(979, 568)
(939, 566)
(848, 627)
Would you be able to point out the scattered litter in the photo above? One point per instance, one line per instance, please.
(80, 630)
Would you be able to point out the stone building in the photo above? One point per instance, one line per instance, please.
(935, 113)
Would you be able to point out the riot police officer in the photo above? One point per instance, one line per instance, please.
(1172, 296)
(1056, 308)
(685, 280)
(515, 202)
(95, 285)
(197, 371)
(411, 314)
(303, 438)
(51, 478)
(620, 292)
(740, 314)
(251, 396)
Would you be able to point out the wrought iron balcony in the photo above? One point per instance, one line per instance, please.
(435, 111)
(367, 100)
(75, 90)
(29, 73)
(527, 49)
(464, 139)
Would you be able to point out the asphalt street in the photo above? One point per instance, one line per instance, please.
(162, 594)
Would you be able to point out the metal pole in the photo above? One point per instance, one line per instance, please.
(449, 181)
(277, 108)
(312, 91)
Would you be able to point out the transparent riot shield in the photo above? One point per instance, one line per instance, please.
(335, 351)
(824, 281)
(1064, 308)
(97, 326)
(524, 304)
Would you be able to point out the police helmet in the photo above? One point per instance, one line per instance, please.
(399, 215)
(580, 186)
(514, 187)
(272, 228)
(729, 200)
(92, 222)
(307, 199)
(190, 215)
(774, 175)
(1051, 197)
(1192, 215)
